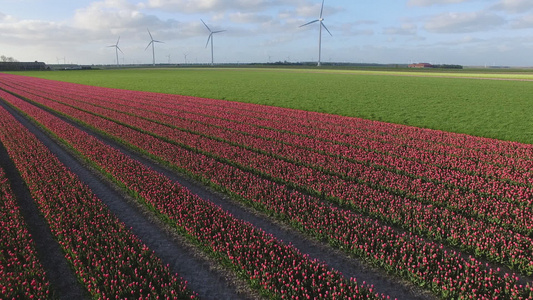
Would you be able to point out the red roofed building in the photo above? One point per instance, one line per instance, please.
(421, 65)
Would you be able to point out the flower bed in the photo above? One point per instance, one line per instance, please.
(108, 259)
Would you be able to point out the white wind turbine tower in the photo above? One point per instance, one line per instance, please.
(211, 38)
(152, 42)
(117, 49)
(321, 20)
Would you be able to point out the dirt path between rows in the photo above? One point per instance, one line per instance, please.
(349, 266)
(62, 278)
(203, 275)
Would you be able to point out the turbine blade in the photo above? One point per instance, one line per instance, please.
(150, 34)
(158, 41)
(206, 25)
(219, 31)
(326, 28)
(120, 50)
(118, 40)
(148, 45)
(210, 36)
(309, 23)
(322, 9)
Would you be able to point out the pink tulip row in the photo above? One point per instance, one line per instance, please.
(474, 236)
(476, 148)
(476, 145)
(383, 154)
(413, 173)
(108, 259)
(417, 169)
(279, 270)
(21, 273)
(510, 215)
(427, 172)
(423, 262)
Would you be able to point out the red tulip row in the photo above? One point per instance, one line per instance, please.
(472, 235)
(277, 269)
(476, 146)
(411, 176)
(21, 273)
(360, 129)
(108, 259)
(510, 215)
(423, 173)
(475, 152)
(423, 262)
(393, 154)
(468, 146)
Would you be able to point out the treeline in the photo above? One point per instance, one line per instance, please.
(4, 58)
(447, 66)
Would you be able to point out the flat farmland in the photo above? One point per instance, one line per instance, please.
(484, 103)
(156, 185)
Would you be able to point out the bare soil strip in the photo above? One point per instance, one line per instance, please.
(202, 274)
(62, 278)
(348, 266)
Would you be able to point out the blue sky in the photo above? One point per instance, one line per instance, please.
(467, 32)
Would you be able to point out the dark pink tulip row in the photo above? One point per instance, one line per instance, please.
(472, 235)
(478, 146)
(109, 261)
(423, 173)
(420, 261)
(341, 134)
(279, 270)
(428, 172)
(290, 117)
(350, 126)
(21, 273)
(507, 214)
(510, 215)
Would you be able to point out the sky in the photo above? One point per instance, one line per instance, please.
(466, 32)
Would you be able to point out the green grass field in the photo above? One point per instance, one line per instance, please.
(490, 104)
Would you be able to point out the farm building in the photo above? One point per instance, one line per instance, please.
(421, 65)
(22, 66)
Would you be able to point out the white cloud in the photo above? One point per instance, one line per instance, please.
(461, 41)
(112, 15)
(464, 22)
(514, 6)
(433, 2)
(195, 6)
(26, 32)
(523, 22)
(313, 10)
(404, 29)
(355, 29)
(249, 18)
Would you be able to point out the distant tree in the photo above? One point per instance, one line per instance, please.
(448, 66)
(4, 58)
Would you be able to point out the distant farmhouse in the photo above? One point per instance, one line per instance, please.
(421, 65)
(428, 66)
(23, 66)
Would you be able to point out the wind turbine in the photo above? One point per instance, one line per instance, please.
(211, 38)
(152, 42)
(117, 49)
(321, 20)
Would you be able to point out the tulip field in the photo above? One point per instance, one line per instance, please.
(449, 214)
